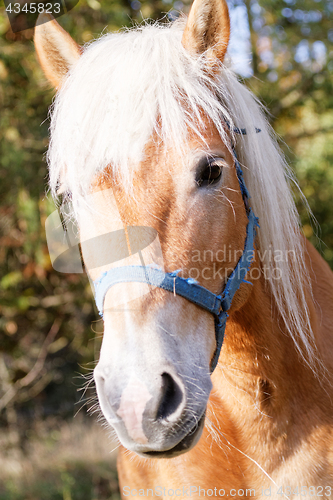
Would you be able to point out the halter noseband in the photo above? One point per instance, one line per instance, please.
(217, 305)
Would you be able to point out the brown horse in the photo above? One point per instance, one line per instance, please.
(145, 130)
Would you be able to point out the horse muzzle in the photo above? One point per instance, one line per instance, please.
(153, 416)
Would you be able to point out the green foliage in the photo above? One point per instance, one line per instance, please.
(61, 461)
(75, 481)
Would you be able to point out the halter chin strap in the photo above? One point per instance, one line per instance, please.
(217, 305)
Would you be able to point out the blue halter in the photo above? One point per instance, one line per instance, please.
(217, 305)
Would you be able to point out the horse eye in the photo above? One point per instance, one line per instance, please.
(210, 172)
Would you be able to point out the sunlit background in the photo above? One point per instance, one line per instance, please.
(49, 330)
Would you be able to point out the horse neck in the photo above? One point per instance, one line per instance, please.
(259, 358)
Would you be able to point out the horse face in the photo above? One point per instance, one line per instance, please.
(153, 376)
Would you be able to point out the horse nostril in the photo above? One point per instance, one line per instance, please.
(172, 396)
(99, 378)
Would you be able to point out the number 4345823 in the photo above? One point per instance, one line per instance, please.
(32, 8)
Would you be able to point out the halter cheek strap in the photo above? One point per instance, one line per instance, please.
(217, 305)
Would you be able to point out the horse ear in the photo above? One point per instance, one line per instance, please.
(56, 50)
(208, 29)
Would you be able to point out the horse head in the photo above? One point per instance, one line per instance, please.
(142, 136)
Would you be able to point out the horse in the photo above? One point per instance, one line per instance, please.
(151, 129)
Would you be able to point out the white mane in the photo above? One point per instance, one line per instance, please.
(108, 109)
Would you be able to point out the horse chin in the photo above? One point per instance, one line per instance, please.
(186, 444)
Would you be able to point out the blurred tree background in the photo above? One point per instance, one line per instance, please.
(49, 329)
